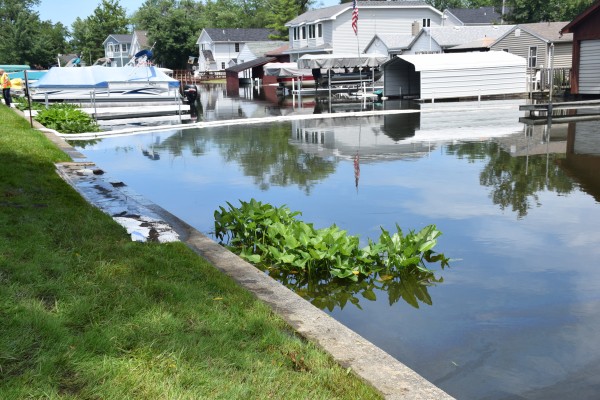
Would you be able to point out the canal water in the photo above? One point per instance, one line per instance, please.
(517, 313)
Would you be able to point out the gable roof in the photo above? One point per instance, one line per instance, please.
(393, 41)
(581, 17)
(119, 38)
(142, 38)
(261, 49)
(481, 15)
(278, 51)
(450, 36)
(238, 34)
(548, 31)
(330, 13)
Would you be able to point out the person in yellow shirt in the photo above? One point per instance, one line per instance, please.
(5, 84)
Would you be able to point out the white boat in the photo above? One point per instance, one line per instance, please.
(289, 72)
(106, 84)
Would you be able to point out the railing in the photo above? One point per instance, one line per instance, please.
(541, 79)
(187, 76)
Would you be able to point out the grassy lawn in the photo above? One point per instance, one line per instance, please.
(85, 313)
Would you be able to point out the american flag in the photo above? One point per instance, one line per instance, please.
(355, 17)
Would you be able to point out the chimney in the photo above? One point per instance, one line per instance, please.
(416, 27)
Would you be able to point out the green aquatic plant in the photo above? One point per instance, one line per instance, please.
(272, 238)
(66, 118)
(22, 104)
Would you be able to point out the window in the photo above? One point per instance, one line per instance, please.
(532, 57)
(110, 49)
(295, 33)
(222, 65)
(123, 47)
(311, 32)
(319, 30)
(426, 22)
(237, 47)
(304, 32)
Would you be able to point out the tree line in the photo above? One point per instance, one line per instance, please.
(173, 26)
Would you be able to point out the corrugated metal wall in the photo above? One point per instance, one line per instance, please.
(589, 67)
(472, 82)
(467, 80)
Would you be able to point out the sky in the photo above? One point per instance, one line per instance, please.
(66, 11)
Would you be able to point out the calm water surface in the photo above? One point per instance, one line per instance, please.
(517, 314)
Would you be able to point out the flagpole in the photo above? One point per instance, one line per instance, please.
(354, 23)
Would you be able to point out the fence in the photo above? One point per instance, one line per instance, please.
(187, 76)
(540, 80)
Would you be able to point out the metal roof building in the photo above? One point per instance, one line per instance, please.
(454, 75)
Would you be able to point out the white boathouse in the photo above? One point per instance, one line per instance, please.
(455, 75)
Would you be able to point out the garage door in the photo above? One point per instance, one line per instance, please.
(589, 67)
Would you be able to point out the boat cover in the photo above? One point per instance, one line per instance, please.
(285, 70)
(341, 60)
(99, 77)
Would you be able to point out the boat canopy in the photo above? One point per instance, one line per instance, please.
(341, 60)
(100, 77)
(31, 75)
(14, 68)
(287, 69)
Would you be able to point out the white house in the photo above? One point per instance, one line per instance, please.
(220, 48)
(329, 29)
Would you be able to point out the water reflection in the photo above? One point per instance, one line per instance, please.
(410, 285)
(517, 314)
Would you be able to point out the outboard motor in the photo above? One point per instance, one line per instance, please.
(191, 93)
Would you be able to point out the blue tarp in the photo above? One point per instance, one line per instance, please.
(14, 68)
(31, 75)
(99, 77)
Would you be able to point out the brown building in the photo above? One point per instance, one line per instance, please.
(585, 73)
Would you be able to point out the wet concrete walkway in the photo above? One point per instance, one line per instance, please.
(147, 221)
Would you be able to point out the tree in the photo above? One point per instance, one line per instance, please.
(280, 12)
(25, 39)
(50, 41)
(524, 11)
(17, 25)
(173, 28)
(89, 34)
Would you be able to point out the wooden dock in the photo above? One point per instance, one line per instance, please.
(538, 114)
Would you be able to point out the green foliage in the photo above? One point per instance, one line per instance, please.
(66, 118)
(173, 28)
(89, 34)
(26, 39)
(529, 11)
(22, 104)
(280, 12)
(271, 237)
